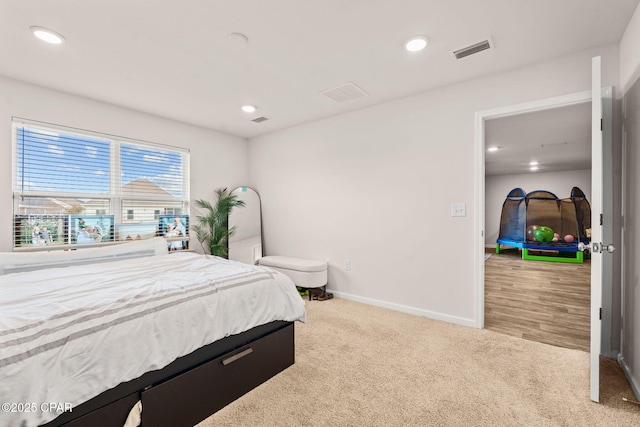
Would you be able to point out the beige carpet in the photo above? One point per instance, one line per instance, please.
(359, 365)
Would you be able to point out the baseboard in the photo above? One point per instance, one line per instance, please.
(406, 309)
(635, 386)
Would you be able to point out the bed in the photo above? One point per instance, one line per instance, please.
(104, 336)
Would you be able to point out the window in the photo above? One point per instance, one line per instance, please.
(172, 211)
(61, 173)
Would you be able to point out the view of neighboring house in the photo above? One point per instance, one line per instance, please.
(143, 203)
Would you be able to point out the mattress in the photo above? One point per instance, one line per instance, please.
(68, 334)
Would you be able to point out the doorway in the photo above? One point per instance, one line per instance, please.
(608, 304)
(480, 151)
(548, 150)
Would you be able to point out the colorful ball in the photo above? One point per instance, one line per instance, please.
(569, 238)
(543, 234)
(556, 237)
(530, 230)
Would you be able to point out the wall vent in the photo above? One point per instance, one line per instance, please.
(473, 49)
(344, 92)
(259, 119)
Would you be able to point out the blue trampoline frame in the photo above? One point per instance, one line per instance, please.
(537, 246)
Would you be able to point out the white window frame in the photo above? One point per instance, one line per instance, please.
(115, 195)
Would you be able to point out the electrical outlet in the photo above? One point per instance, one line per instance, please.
(347, 264)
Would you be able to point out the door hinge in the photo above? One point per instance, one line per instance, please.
(601, 219)
(601, 124)
(600, 315)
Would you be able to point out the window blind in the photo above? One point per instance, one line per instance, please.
(72, 187)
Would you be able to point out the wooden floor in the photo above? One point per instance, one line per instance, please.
(541, 301)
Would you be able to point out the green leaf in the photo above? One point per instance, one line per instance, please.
(212, 229)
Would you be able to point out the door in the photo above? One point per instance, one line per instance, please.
(596, 228)
(600, 209)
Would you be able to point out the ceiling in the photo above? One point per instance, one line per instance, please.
(557, 139)
(174, 58)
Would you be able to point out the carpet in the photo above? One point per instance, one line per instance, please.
(361, 365)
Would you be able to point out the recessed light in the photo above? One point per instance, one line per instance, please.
(47, 35)
(249, 108)
(533, 168)
(492, 149)
(415, 44)
(533, 163)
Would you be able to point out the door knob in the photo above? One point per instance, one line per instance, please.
(596, 247)
(584, 246)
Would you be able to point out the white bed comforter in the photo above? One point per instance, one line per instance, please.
(68, 334)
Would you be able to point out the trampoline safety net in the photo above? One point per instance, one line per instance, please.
(523, 213)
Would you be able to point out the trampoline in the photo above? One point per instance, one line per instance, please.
(523, 213)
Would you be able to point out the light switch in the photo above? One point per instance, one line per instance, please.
(458, 209)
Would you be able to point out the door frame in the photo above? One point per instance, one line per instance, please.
(480, 118)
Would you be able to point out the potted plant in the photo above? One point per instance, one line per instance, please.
(212, 229)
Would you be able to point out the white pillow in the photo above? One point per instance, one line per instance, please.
(13, 262)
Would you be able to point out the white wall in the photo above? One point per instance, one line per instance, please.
(629, 78)
(631, 257)
(498, 186)
(375, 186)
(629, 55)
(217, 159)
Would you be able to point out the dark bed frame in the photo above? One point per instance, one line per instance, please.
(194, 386)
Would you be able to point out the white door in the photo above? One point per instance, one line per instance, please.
(598, 208)
(596, 229)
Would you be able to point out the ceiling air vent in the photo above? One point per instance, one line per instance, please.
(344, 92)
(474, 48)
(260, 119)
